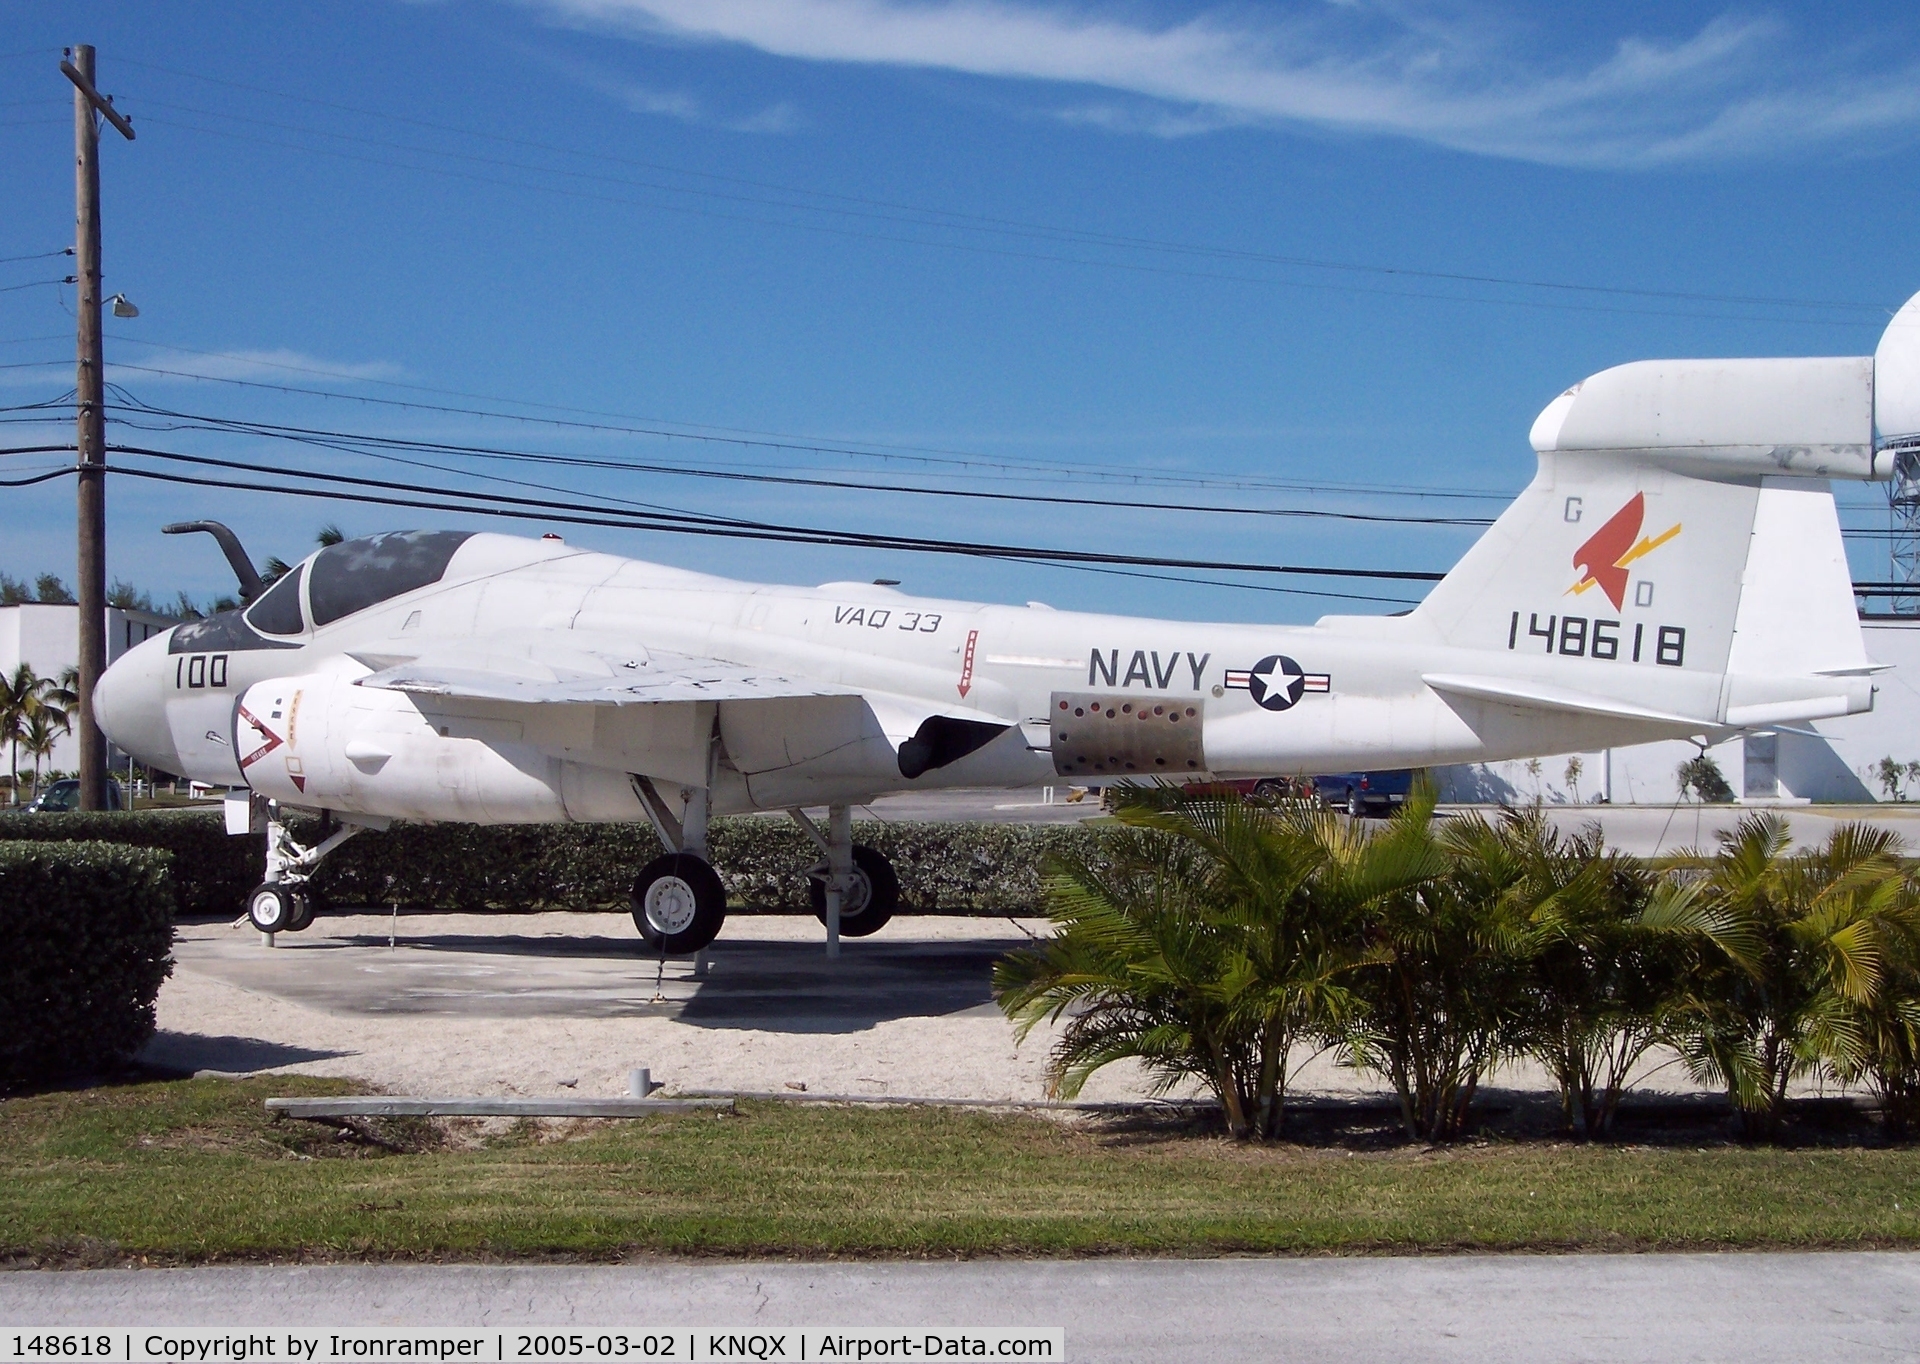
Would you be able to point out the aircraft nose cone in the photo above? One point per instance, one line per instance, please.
(130, 704)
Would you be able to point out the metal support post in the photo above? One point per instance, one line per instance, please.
(839, 869)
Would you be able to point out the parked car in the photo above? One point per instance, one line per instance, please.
(64, 795)
(1365, 794)
(1266, 788)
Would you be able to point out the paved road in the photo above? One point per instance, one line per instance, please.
(1642, 829)
(985, 806)
(1665, 1308)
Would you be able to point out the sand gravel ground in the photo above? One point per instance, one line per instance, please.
(563, 1003)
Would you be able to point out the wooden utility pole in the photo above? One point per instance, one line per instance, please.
(90, 414)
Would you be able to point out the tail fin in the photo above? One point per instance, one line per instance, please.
(1678, 552)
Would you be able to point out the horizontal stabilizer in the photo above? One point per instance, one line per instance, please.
(1545, 696)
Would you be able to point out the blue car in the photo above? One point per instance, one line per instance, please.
(1365, 794)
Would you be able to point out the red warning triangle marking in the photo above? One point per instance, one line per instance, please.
(271, 740)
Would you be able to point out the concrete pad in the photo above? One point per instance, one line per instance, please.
(764, 970)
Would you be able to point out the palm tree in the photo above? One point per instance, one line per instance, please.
(20, 693)
(1441, 1003)
(1606, 946)
(42, 730)
(1803, 972)
(1210, 940)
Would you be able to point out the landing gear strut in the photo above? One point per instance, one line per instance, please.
(679, 904)
(854, 891)
(283, 903)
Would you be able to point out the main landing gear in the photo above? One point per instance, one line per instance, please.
(854, 891)
(284, 902)
(679, 904)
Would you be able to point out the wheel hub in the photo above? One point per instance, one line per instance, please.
(670, 905)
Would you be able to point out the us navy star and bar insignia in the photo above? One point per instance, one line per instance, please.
(1276, 682)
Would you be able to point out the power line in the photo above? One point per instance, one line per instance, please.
(42, 255)
(775, 441)
(34, 284)
(1133, 267)
(954, 219)
(727, 527)
(351, 440)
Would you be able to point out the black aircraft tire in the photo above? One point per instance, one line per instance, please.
(304, 907)
(873, 874)
(679, 904)
(270, 907)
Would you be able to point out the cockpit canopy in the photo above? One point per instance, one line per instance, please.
(354, 575)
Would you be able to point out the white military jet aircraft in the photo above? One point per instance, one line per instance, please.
(1674, 569)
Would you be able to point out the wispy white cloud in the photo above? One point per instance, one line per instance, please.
(286, 366)
(646, 99)
(1735, 87)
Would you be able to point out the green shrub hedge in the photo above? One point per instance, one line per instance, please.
(88, 929)
(212, 873)
(945, 868)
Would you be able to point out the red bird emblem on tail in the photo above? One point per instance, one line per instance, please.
(1603, 559)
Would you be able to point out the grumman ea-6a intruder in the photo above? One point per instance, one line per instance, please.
(1675, 569)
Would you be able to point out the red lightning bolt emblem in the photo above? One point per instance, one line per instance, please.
(1603, 559)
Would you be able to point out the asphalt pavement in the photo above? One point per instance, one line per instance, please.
(1661, 1309)
(1646, 830)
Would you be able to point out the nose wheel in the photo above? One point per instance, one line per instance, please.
(285, 902)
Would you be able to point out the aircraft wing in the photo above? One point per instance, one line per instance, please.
(555, 675)
(657, 677)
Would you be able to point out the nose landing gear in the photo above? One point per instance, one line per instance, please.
(283, 903)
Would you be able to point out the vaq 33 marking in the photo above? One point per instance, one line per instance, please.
(1674, 569)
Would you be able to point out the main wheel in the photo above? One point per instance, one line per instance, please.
(270, 907)
(305, 905)
(678, 904)
(869, 902)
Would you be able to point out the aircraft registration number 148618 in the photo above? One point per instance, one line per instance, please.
(1581, 637)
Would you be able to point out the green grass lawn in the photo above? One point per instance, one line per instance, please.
(195, 1170)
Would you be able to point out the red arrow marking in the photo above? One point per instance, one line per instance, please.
(966, 664)
(272, 740)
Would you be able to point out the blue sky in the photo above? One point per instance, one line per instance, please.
(1012, 247)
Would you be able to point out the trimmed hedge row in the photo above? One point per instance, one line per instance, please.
(945, 868)
(89, 933)
(212, 873)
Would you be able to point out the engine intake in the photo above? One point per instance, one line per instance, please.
(318, 742)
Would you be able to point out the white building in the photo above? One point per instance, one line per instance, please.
(46, 637)
(1831, 760)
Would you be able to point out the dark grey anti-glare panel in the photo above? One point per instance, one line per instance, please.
(356, 574)
(278, 613)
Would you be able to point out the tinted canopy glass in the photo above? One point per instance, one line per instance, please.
(278, 613)
(356, 574)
